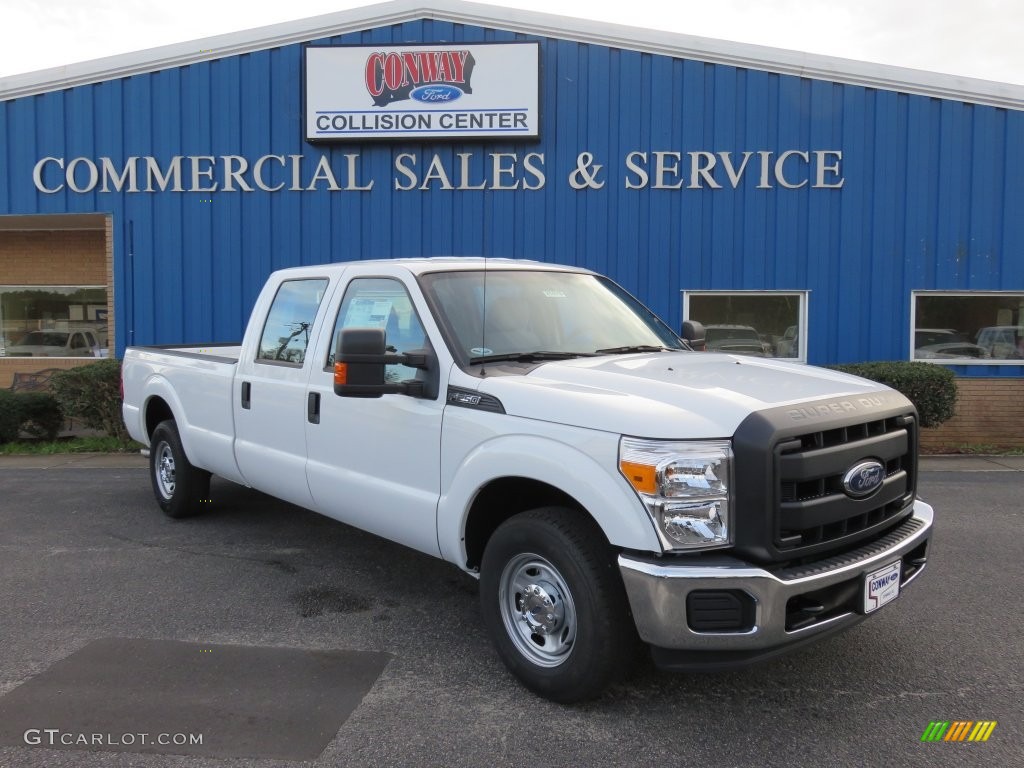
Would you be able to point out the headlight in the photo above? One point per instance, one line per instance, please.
(685, 487)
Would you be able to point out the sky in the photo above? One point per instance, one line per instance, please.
(971, 38)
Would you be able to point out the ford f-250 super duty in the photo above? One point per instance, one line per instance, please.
(539, 428)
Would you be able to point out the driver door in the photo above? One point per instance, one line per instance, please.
(375, 462)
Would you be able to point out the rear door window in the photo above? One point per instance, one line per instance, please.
(290, 322)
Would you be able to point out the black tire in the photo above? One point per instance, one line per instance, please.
(181, 490)
(555, 559)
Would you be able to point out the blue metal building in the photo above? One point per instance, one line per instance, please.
(845, 205)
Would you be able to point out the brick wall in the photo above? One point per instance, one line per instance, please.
(56, 257)
(62, 257)
(989, 412)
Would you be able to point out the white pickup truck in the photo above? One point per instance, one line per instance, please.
(539, 428)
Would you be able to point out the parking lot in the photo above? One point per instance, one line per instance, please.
(86, 556)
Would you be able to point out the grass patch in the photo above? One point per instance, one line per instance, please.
(87, 444)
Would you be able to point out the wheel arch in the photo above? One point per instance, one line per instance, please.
(157, 410)
(504, 497)
(161, 403)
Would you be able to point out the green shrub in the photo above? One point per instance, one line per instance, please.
(931, 388)
(36, 413)
(10, 416)
(41, 415)
(92, 393)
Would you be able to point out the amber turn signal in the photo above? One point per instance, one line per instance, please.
(640, 476)
(340, 374)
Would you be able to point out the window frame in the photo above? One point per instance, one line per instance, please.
(804, 297)
(960, 361)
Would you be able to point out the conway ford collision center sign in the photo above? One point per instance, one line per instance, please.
(356, 93)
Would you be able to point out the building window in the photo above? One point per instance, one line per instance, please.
(968, 328)
(751, 323)
(53, 321)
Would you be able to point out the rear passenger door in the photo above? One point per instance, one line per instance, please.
(270, 391)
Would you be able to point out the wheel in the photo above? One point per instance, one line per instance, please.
(179, 487)
(554, 604)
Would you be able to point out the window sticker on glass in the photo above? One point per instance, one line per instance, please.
(368, 313)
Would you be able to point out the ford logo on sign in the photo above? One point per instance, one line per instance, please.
(863, 479)
(436, 94)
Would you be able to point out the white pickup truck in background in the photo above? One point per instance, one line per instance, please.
(538, 427)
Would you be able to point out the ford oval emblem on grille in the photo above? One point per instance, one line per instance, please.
(863, 479)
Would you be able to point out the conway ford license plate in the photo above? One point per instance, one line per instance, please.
(881, 586)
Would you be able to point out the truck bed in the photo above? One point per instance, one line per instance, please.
(201, 376)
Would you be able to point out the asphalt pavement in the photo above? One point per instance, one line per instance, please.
(88, 563)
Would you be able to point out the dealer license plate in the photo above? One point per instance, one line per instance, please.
(881, 586)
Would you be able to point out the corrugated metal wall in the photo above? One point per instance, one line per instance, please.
(931, 197)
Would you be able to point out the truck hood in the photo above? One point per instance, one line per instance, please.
(667, 394)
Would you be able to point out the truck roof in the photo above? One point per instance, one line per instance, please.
(419, 266)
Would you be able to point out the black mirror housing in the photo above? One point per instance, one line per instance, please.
(359, 362)
(695, 335)
(355, 345)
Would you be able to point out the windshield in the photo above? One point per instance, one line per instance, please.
(559, 313)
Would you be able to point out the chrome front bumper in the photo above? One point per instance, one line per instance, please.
(658, 594)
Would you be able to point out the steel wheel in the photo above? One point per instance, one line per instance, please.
(538, 610)
(554, 604)
(180, 488)
(164, 470)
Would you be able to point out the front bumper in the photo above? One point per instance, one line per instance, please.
(789, 607)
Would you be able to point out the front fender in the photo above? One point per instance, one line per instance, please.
(583, 465)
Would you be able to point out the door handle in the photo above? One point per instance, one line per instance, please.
(313, 407)
(246, 395)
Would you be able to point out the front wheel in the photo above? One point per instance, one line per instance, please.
(180, 488)
(554, 604)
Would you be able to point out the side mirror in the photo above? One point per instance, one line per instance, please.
(694, 334)
(359, 362)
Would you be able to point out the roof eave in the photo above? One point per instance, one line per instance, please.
(806, 65)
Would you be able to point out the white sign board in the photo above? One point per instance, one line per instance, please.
(359, 93)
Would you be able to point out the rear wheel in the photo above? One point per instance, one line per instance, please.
(554, 604)
(180, 488)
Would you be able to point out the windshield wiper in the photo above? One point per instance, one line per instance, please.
(635, 348)
(528, 357)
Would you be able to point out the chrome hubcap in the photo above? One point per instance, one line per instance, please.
(165, 470)
(538, 610)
